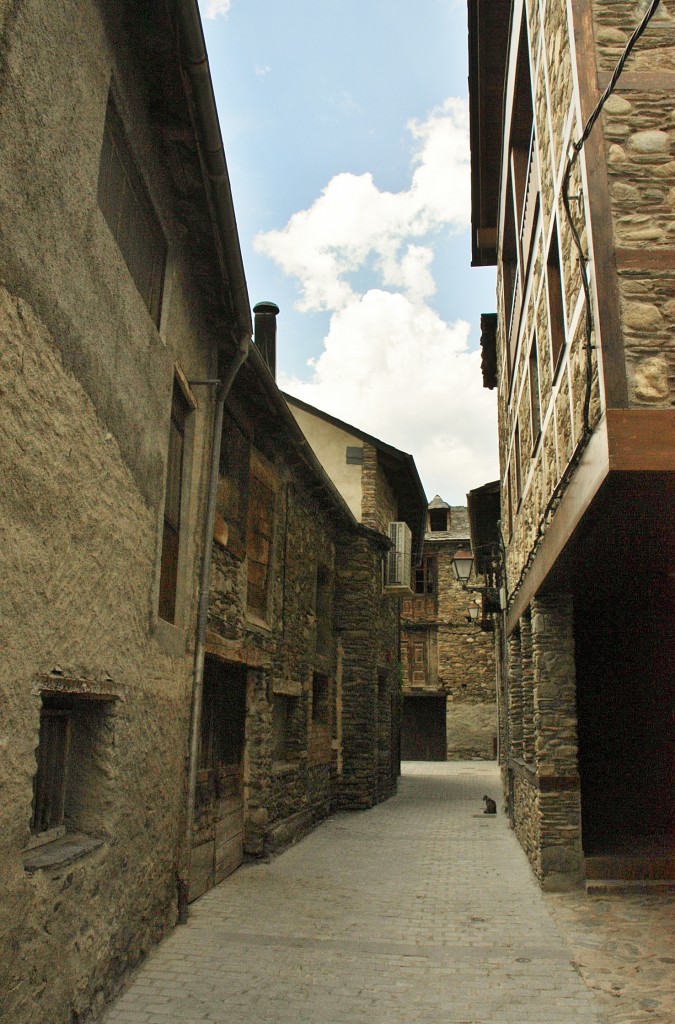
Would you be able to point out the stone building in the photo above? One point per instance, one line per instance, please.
(302, 696)
(381, 486)
(121, 285)
(449, 702)
(179, 622)
(577, 215)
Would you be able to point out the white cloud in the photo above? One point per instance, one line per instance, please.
(389, 364)
(394, 369)
(215, 8)
(262, 70)
(353, 221)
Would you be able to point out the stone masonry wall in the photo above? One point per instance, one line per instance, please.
(283, 798)
(639, 130)
(378, 503)
(86, 391)
(368, 623)
(555, 724)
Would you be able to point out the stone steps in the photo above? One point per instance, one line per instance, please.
(630, 872)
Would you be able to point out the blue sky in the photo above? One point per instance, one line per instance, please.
(345, 130)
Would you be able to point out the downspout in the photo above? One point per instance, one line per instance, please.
(224, 387)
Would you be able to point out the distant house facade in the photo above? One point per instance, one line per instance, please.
(449, 702)
(381, 486)
(576, 212)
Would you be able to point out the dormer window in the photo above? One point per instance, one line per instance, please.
(438, 520)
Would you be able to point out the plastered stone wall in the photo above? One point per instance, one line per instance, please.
(79, 560)
(86, 392)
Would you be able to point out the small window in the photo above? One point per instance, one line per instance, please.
(438, 520)
(71, 764)
(555, 301)
(354, 456)
(52, 773)
(320, 699)
(125, 204)
(284, 727)
(518, 470)
(535, 396)
(425, 576)
(173, 501)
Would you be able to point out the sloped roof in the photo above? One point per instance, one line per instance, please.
(398, 466)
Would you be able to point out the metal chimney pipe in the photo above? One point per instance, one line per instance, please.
(265, 333)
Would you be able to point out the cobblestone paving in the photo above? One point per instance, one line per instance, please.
(624, 948)
(420, 911)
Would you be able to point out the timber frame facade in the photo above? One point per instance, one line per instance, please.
(579, 224)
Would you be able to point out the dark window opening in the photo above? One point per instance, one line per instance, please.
(173, 499)
(125, 204)
(321, 693)
(516, 455)
(425, 576)
(72, 764)
(52, 772)
(223, 723)
(522, 198)
(438, 520)
(535, 395)
(354, 456)
(555, 300)
(288, 740)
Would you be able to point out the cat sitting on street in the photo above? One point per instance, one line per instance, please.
(490, 805)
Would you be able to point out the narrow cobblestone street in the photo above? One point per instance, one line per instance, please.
(420, 910)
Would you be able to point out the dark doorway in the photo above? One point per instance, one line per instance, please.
(624, 656)
(219, 805)
(423, 729)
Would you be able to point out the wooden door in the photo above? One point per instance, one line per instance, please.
(423, 729)
(218, 835)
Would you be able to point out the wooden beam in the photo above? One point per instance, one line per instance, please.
(661, 81)
(641, 440)
(646, 260)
